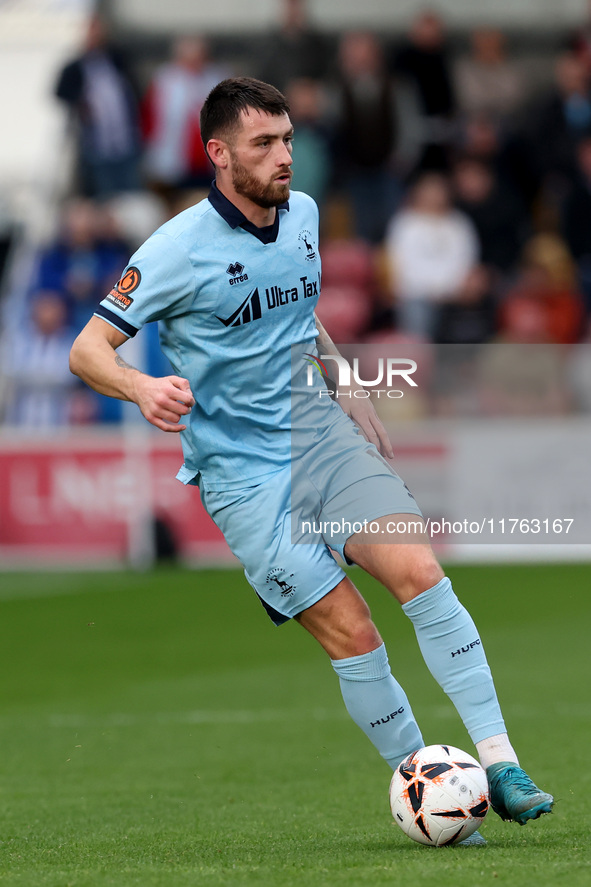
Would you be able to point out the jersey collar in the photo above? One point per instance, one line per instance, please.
(235, 218)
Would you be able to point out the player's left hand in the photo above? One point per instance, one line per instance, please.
(363, 413)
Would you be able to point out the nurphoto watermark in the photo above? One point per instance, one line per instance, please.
(491, 443)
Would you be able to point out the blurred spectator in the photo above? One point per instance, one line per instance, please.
(576, 219)
(508, 154)
(99, 93)
(311, 148)
(8, 237)
(295, 50)
(541, 308)
(469, 318)
(366, 133)
(480, 138)
(85, 261)
(35, 366)
(497, 213)
(134, 217)
(486, 80)
(581, 40)
(423, 61)
(564, 118)
(577, 207)
(431, 248)
(525, 372)
(550, 252)
(175, 157)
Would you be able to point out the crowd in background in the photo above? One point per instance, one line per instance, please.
(454, 190)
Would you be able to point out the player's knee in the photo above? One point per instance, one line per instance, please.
(420, 574)
(363, 639)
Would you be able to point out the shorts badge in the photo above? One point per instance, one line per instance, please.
(282, 580)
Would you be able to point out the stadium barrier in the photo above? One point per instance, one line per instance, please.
(491, 490)
(94, 499)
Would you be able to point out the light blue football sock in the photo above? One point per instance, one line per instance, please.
(378, 704)
(454, 654)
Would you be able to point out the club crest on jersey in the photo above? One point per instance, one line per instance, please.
(236, 272)
(306, 244)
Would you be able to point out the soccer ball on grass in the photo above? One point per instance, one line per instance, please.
(439, 795)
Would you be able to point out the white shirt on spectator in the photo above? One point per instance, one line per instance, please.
(431, 254)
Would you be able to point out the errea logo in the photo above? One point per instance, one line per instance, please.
(235, 270)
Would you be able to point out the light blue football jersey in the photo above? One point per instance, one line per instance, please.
(230, 300)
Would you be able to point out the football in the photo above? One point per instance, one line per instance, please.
(439, 795)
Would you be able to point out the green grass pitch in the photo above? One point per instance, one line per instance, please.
(158, 730)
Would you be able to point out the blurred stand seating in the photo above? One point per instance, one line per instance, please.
(345, 312)
(348, 295)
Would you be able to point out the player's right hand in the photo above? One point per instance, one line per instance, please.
(164, 400)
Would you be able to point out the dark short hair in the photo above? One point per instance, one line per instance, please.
(221, 111)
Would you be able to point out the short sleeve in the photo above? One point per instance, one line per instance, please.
(158, 283)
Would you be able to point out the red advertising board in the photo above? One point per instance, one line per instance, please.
(93, 498)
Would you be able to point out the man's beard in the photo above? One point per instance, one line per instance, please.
(264, 195)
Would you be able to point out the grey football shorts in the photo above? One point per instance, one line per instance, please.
(283, 529)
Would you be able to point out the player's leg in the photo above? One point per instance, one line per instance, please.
(447, 636)
(454, 654)
(304, 581)
(341, 622)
